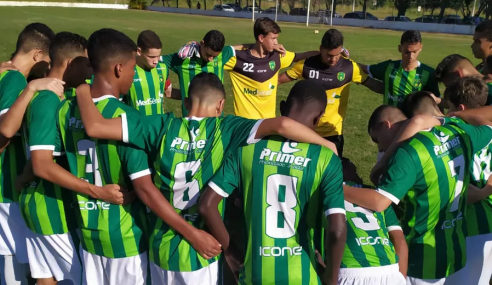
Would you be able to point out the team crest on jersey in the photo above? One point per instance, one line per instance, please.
(341, 76)
(417, 83)
(272, 65)
(161, 78)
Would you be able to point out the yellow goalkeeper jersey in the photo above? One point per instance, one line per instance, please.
(254, 82)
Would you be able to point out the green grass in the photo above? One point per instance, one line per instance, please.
(366, 46)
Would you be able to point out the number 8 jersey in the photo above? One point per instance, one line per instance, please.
(285, 187)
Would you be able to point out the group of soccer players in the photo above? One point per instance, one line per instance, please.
(99, 186)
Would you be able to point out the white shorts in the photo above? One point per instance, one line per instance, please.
(13, 231)
(383, 275)
(54, 256)
(100, 270)
(478, 268)
(204, 276)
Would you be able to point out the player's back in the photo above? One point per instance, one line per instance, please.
(190, 151)
(285, 187)
(368, 243)
(433, 221)
(107, 229)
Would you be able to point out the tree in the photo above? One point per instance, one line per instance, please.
(444, 5)
(291, 4)
(364, 9)
(402, 6)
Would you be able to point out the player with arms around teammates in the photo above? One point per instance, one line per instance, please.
(335, 72)
(285, 186)
(407, 75)
(32, 49)
(151, 81)
(197, 145)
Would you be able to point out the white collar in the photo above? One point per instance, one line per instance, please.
(103, 98)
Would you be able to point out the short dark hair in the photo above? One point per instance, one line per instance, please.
(204, 82)
(106, 45)
(411, 37)
(214, 40)
(471, 91)
(420, 102)
(66, 46)
(148, 39)
(34, 36)
(265, 25)
(447, 65)
(384, 112)
(332, 39)
(305, 92)
(485, 27)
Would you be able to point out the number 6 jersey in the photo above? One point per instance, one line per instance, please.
(185, 152)
(285, 187)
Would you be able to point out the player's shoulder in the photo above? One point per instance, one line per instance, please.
(45, 95)
(427, 67)
(12, 77)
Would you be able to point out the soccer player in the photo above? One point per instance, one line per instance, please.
(31, 48)
(114, 237)
(254, 72)
(335, 72)
(284, 186)
(482, 42)
(151, 80)
(455, 66)
(185, 153)
(46, 205)
(376, 251)
(407, 75)
(429, 173)
(211, 58)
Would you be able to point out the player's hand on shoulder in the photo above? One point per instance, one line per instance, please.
(205, 244)
(114, 194)
(52, 84)
(345, 52)
(280, 49)
(4, 66)
(189, 50)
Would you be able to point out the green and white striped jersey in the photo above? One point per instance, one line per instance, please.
(13, 158)
(285, 186)
(107, 230)
(47, 208)
(430, 173)
(186, 152)
(147, 91)
(398, 83)
(188, 68)
(368, 243)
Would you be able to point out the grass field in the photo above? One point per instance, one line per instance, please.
(365, 45)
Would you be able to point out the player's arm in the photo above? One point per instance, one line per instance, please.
(478, 116)
(374, 85)
(360, 77)
(399, 242)
(293, 130)
(411, 127)
(376, 71)
(397, 238)
(304, 55)
(25, 177)
(476, 194)
(395, 183)
(333, 206)
(293, 73)
(363, 67)
(175, 94)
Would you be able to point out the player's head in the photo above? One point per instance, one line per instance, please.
(420, 103)
(306, 103)
(466, 93)
(452, 67)
(482, 40)
(207, 94)
(149, 49)
(266, 33)
(77, 72)
(410, 46)
(384, 125)
(34, 41)
(65, 47)
(112, 55)
(350, 171)
(211, 45)
(331, 47)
